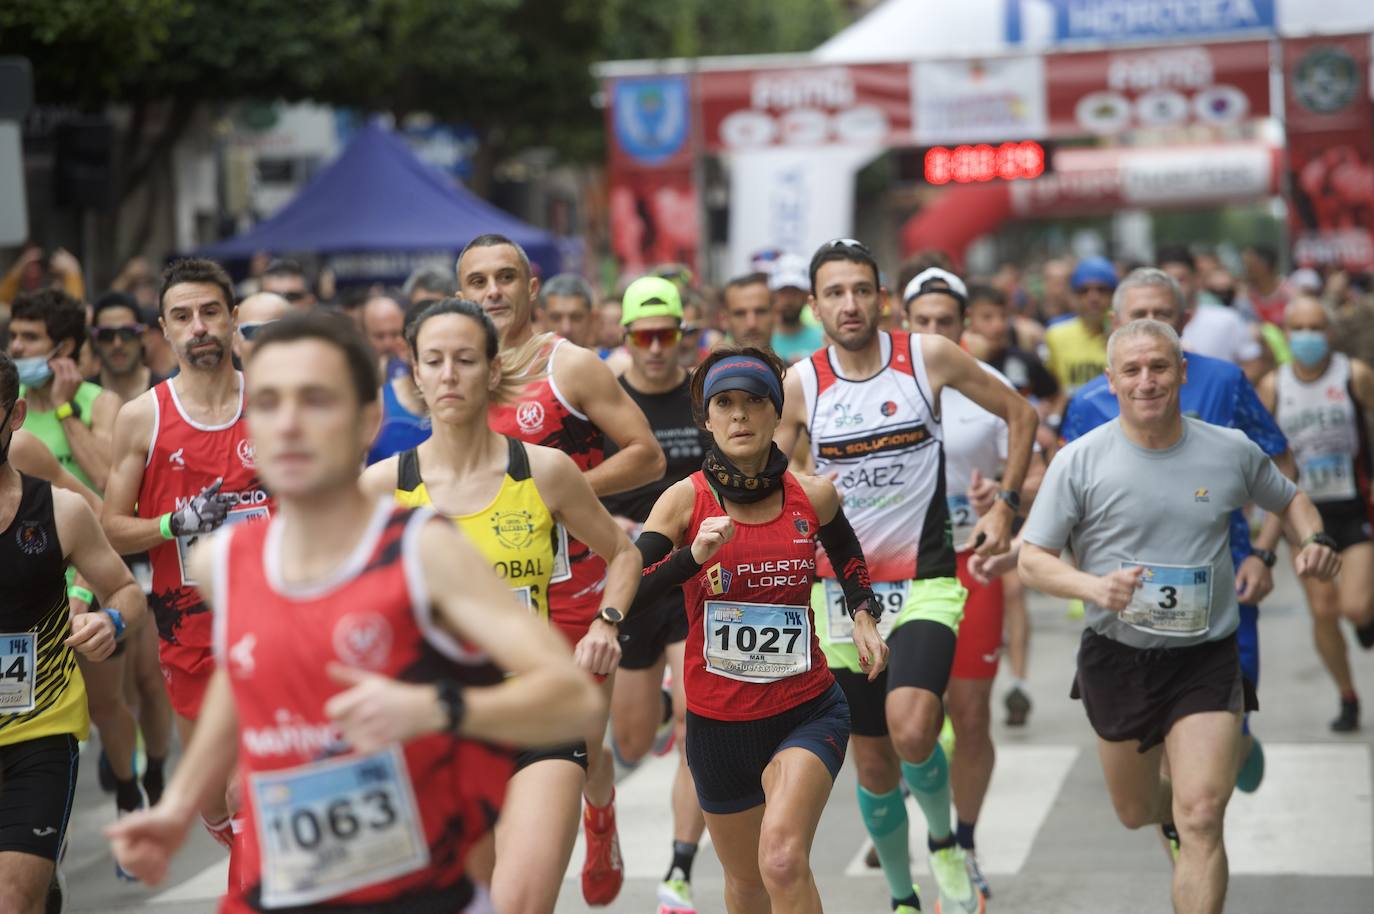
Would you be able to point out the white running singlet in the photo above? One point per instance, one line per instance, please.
(974, 439)
(883, 440)
(1319, 420)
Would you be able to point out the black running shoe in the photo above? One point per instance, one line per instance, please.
(1348, 721)
(1018, 705)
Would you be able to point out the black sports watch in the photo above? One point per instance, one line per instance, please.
(871, 606)
(1012, 498)
(1267, 556)
(451, 697)
(1322, 538)
(610, 615)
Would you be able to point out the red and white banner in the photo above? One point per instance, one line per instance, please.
(864, 105)
(974, 101)
(1110, 92)
(1087, 181)
(1330, 126)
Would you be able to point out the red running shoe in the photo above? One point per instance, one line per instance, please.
(603, 872)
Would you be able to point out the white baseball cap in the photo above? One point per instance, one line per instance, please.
(923, 283)
(789, 272)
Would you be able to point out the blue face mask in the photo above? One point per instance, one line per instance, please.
(34, 371)
(1309, 347)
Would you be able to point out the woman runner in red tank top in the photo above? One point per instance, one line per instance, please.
(766, 723)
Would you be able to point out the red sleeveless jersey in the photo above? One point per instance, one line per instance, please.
(183, 458)
(751, 643)
(542, 416)
(323, 823)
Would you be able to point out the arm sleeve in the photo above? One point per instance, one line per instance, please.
(662, 571)
(1254, 420)
(847, 558)
(1056, 509)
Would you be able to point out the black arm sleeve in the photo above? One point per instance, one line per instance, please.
(847, 558)
(661, 574)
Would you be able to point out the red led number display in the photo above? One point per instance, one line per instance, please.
(984, 162)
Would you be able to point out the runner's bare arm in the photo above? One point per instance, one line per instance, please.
(1044, 570)
(91, 446)
(30, 455)
(133, 432)
(380, 478)
(565, 490)
(1310, 559)
(1267, 388)
(549, 699)
(792, 426)
(591, 388)
(145, 841)
(104, 571)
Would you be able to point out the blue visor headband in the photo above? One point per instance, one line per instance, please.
(744, 372)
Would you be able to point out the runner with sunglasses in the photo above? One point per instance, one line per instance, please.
(253, 314)
(766, 723)
(869, 405)
(661, 388)
(508, 498)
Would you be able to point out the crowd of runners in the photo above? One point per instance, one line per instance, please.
(383, 595)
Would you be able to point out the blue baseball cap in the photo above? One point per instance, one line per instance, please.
(1093, 270)
(743, 372)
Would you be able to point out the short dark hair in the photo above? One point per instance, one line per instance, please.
(921, 261)
(567, 285)
(1266, 253)
(428, 280)
(417, 316)
(846, 249)
(196, 270)
(719, 354)
(63, 317)
(494, 240)
(747, 279)
(987, 294)
(116, 299)
(1176, 253)
(334, 329)
(284, 266)
(9, 381)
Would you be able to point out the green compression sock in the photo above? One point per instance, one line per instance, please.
(929, 783)
(884, 816)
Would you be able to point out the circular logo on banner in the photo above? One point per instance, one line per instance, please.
(1103, 112)
(1325, 80)
(530, 416)
(862, 124)
(651, 117)
(1221, 105)
(1161, 108)
(744, 129)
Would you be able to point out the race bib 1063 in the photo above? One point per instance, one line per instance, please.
(332, 827)
(1173, 600)
(755, 642)
(891, 594)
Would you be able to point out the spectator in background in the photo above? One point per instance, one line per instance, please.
(607, 333)
(1078, 346)
(384, 319)
(250, 284)
(287, 278)
(749, 311)
(1263, 285)
(1220, 333)
(1056, 296)
(157, 350)
(566, 305)
(790, 285)
(33, 271)
(405, 417)
(118, 330)
(138, 279)
(428, 285)
(1352, 314)
(699, 335)
(254, 313)
(73, 417)
(988, 336)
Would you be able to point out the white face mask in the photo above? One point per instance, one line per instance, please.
(34, 371)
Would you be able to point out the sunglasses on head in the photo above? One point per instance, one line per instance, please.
(250, 329)
(667, 336)
(126, 332)
(843, 243)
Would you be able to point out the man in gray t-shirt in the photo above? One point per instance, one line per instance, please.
(1142, 503)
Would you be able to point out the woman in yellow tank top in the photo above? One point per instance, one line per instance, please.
(509, 498)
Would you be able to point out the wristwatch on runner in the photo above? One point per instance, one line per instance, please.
(117, 618)
(870, 606)
(70, 408)
(1321, 538)
(611, 616)
(1012, 498)
(1267, 556)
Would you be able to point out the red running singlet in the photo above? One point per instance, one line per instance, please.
(321, 822)
(183, 458)
(751, 643)
(542, 416)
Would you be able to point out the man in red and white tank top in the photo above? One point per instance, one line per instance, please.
(182, 466)
(576, 402)
(363, 658)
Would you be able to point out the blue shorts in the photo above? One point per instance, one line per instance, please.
(727, 757)
(1247, 640)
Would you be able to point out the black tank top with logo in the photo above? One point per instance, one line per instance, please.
(683, 443)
